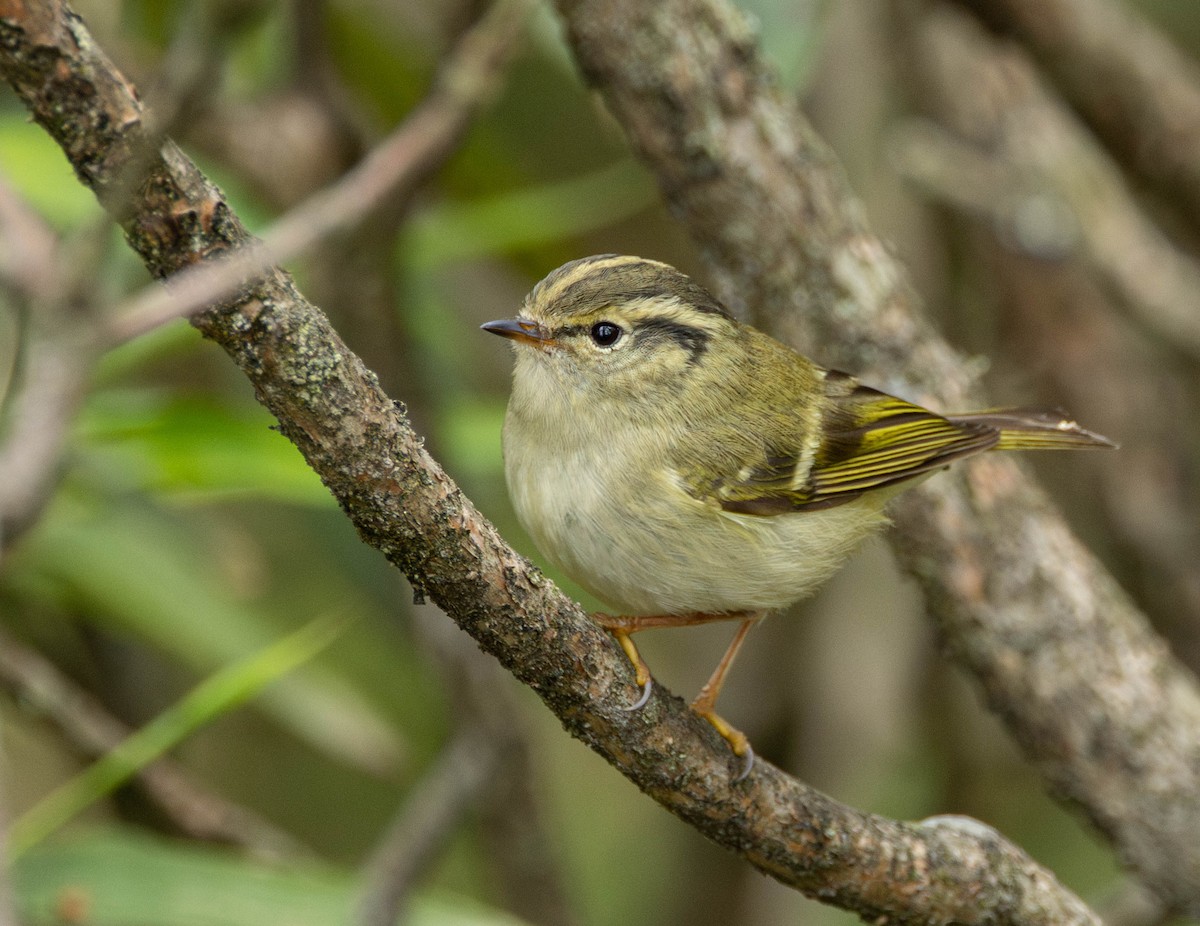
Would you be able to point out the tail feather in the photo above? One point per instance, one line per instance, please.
(1035, 429)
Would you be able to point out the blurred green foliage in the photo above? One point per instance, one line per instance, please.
(116, 878)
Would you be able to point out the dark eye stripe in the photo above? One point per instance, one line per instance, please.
(693, 340)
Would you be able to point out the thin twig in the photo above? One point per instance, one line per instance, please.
(29, 248)
(52, 391)
(57, 353)
(392, 169)
(522, 855)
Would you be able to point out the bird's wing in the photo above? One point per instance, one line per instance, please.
(866, 440)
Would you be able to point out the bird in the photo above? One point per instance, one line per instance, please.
(684, 467)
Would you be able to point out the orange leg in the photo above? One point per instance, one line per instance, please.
(705, 703)
(622, 627)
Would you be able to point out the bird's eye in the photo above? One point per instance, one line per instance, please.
(606, 334)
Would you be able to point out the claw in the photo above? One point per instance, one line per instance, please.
(641, 670)
(735, 738)
(647, 687)
(748, 759)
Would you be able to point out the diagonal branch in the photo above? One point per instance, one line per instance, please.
(400, 500)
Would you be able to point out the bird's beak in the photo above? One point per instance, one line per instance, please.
(516, 329)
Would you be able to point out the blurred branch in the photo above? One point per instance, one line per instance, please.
(425, 823)
(1021, 205)
(1093, 696)
(528, 865)
(63, 336)
(8, 914)
(56, 356)
(1020, 159)
(401, 501)
(1134, 906)
(390, 173)
(29, 252)
(293, 138)
(52, 390)
(39, 686)
(190, 67)
(525, 865)
(1035, 168)
(1138, 91)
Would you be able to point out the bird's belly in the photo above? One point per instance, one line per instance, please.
(653, 549)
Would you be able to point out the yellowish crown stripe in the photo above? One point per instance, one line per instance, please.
(582, 269)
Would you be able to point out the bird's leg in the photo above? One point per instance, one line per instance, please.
(624, 626)
(705, 703)
(641, 670)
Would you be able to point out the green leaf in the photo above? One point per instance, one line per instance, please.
(469, 434)
(170, 342)
(195, 446)
(36, 166)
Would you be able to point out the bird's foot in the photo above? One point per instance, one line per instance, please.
(735, 738)
(621, 629)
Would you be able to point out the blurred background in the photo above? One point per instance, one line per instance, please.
(335, 749)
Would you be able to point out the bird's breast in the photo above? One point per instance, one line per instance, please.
(607, 507)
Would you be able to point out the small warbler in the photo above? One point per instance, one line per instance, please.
(686, 468)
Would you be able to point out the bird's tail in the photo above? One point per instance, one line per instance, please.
(1035, 429)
